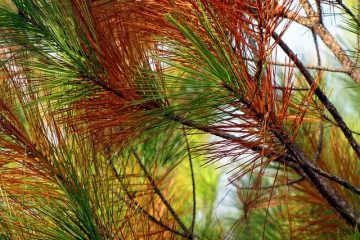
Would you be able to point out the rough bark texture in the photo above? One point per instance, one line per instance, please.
(313, 21)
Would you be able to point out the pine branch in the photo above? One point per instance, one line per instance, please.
(256, 106)
(319, 93)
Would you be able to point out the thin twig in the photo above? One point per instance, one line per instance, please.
(357, 35)
(319, 12)
(138, 206)
(274, 186)
(318, 56)
(192, 180)
(308, 66)
(320, 144)
(292, 89)
(162, 197)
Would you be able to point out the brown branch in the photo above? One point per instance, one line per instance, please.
(338, 51)
(307, 7)
(305, 21)
(313, 22)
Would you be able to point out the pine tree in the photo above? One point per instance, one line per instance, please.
(115, 114)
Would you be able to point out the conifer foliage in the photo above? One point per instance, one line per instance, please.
(115, 114)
